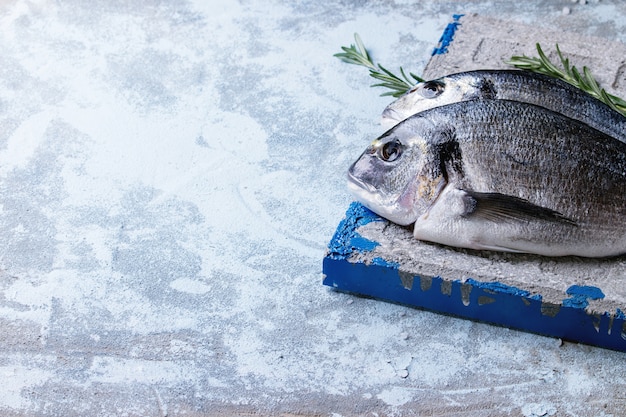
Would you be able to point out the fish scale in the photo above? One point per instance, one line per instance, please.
(523, 178)
(556, 152)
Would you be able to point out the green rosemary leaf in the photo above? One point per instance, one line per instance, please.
(357, 54)
(394, 94)
(416, 78)
(568, 73)
(591, 81)
(617, 101)
(604, 96)
(564, 61)
(362, 49)
(544, 59)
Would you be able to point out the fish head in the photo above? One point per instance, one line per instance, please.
(395, 177)
(434, 93)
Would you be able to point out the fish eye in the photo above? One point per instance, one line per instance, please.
(431, 89)
(390, 151)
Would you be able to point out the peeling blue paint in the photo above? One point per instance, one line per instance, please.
(346, 239)
(448, 35)
(501, 288)
(363, 244)
(382, 262)
(580, 295)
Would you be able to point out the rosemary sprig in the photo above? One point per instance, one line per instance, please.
(570, 74)
(358, 55)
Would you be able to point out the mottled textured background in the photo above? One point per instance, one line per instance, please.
(170, 175)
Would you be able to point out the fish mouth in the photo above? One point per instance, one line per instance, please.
(359, 187)
(390, 116)
(371, 197)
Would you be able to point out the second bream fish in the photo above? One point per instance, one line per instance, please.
(524, 86)
(499, 175)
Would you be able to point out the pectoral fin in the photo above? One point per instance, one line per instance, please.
(491, 221)
(501, 207)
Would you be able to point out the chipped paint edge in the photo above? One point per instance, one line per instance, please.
(448, 35)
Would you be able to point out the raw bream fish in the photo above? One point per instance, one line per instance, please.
(517, 85)
(499, 175)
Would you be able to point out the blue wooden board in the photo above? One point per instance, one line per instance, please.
(353, 264)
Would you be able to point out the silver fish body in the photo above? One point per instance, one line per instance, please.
(499, 175)
(524, 86)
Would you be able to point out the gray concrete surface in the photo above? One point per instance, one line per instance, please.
(170, 174)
